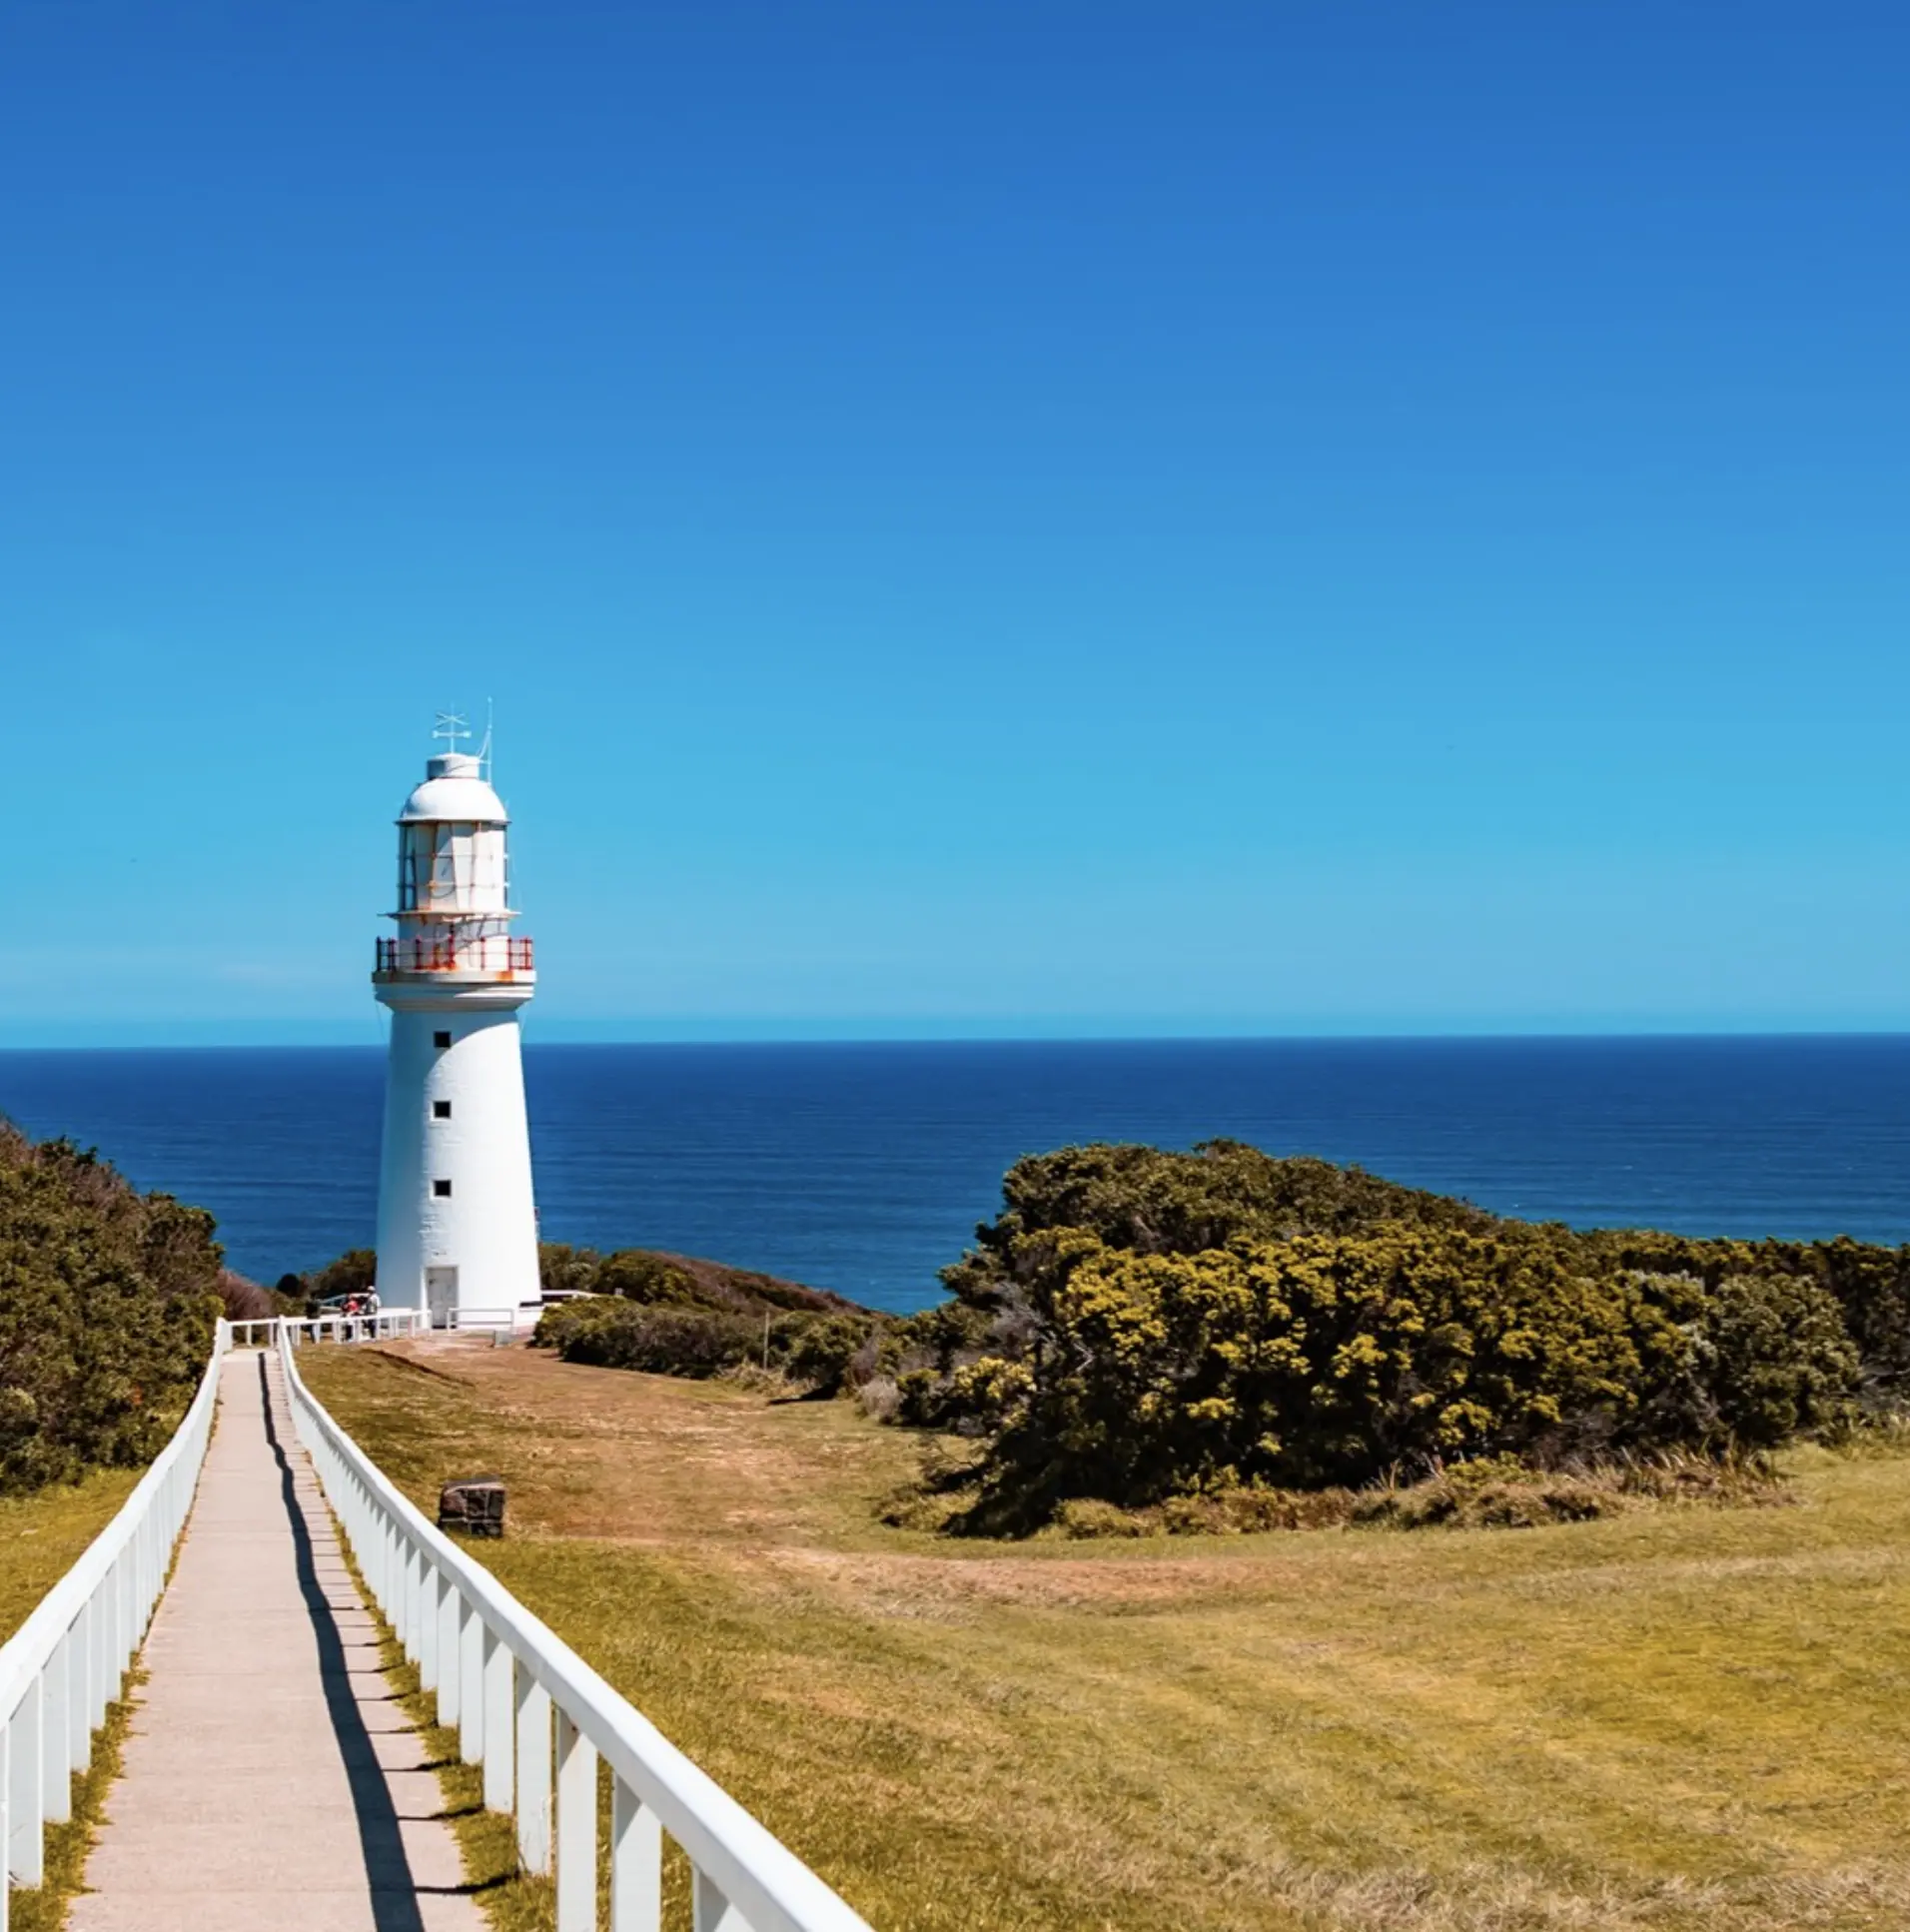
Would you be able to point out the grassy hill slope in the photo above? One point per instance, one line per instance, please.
(1676, 1719)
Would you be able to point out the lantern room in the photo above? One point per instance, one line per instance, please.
(452, 856)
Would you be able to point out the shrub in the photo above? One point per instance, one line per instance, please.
(658, 1337)
(1139, 1327)
(921, 1398)
(108, 1300)
(827, 1350)
(565, 1270)
(638, 1276)
(1488, 1492)
(1085, 1518)
(244, 1300)
(1326, 1360)
(1768, 1357)
(352, 1274)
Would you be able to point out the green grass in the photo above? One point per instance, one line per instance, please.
(1679, 1718)
(43, 1535)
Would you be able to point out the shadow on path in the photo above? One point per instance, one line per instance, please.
(394, 1890)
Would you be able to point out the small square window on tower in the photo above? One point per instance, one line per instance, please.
(440, 1040)
(441, 1188)
(440, 1110)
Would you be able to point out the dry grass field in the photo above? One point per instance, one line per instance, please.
(1678, 1718)
(41, 1538)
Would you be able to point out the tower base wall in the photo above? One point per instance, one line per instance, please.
(456, 1219)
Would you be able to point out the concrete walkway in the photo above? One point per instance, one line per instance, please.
(270, 1781)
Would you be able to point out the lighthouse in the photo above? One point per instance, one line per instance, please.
(456, 1221)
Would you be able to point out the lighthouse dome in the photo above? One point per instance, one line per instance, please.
(455, 790)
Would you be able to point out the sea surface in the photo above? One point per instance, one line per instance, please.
(864, 1168)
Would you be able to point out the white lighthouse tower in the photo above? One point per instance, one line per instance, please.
(456, 1222)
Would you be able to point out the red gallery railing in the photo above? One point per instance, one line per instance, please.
(485, 955)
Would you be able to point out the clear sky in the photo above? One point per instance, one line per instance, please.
(989, 518)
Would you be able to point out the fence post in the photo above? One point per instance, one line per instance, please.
(534, 1772)
(26, 1841)
(100, 1634)
(710, 1911)
(577, 1829)
(78, 1691)
(449, 1654)
(415, 1602)
(387, 1586)
(56, 1778)
(428, 1588)
(124, 1644)
(499, 1666)
(636, 1863)
(471, 1685)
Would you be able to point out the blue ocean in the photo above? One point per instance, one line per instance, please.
(864, 1168)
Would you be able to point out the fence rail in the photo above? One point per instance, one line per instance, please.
(538, 1718)
(387, 1326)
(480, 1318)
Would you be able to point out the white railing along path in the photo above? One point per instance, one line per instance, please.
(389, 1324)
(506, 1682)
(67, 1663)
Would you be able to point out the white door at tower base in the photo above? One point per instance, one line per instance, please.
(440, 1296)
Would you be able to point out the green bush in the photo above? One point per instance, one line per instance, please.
(352, 1274)
(830, 1353)
(1329, 1359)
(658, 1337)
(108, 1300)
(1151, 1201)
(565, 1270)
(638, 1276)
(1770, 1357)
(1139, 1326)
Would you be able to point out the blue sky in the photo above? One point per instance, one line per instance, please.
(989, 519)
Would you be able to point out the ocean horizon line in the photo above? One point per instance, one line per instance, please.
(1558, 1036)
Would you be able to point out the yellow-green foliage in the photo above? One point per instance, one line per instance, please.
(107, 1304)
(1221, 1317)
(1330, 1358)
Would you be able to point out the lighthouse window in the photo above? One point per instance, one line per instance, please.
(440, 1110)
(440, 1040)
(441, 1188)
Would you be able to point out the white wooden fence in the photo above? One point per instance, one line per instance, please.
(67, 1663)
(538, 1718)
(525, 1707)
(387, 1326)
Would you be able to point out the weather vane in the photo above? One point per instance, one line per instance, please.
(451, 726)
